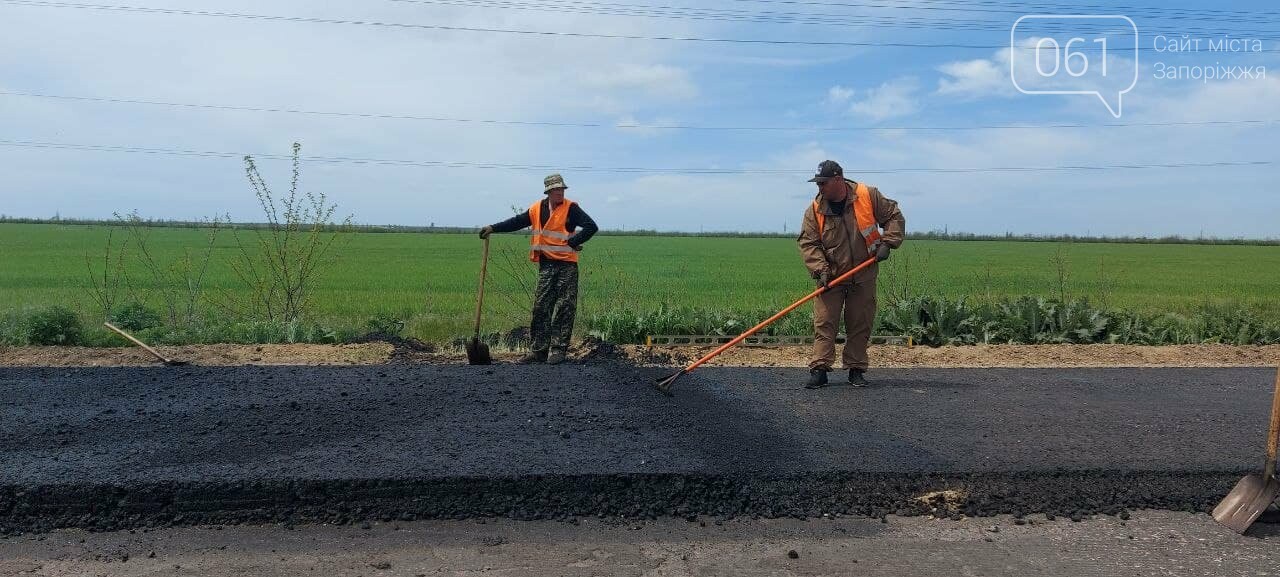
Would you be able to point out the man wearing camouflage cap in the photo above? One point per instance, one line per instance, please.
(554, 245)
(842, 229)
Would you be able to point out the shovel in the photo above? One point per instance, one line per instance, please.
(478, 352)
(664, 384)
(1253, 494)
(157, 354)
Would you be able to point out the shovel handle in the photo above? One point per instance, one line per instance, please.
(484, 267)
(153, 351)
(1273, 432)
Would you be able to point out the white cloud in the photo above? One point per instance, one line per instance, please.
(989, 77)
(975, 78)
(1242, 99)
(1155, 201)
(629, 124)
(801, 156)
(889, 100)
(656, 80)
(839, 95)
(710, 202)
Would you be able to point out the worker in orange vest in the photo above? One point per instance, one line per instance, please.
(842, 229)
(554, 245)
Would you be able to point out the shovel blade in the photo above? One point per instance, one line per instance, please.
(478, 353)
(1242, 506)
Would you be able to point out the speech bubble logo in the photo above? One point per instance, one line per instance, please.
(1074, 54)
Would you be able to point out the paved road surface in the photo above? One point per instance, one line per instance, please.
(733, 441)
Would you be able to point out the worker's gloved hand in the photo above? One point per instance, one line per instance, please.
(824, 279)
(486, 231)
(577, 248)
(882, 253)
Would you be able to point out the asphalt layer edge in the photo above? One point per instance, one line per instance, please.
(1068, 494)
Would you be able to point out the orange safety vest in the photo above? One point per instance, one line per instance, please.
(552, 240)
(862, 211)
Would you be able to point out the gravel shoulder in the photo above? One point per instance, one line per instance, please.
(1150, 543)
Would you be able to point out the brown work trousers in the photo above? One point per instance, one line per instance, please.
(857, 304)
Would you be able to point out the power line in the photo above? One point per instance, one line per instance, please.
(625, 126)
(542, 33)
(313, 20)
(803, 18)
(1018, 7)
(1025, 8)
(613, 169)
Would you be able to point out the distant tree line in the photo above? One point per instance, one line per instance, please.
(930, 235)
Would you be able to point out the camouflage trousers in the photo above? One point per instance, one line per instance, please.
(555, 303)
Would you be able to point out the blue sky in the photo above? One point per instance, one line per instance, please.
(758, 179)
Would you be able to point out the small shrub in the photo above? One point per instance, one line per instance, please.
(55, 325)
(249, 333)
(930, 321)
(385, 325)
(13, 331)
(135, 316)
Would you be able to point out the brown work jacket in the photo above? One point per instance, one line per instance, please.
(840, 247)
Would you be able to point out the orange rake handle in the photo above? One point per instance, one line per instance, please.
(781, 313)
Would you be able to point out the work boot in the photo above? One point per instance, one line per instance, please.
(856, 378)
(556, 357)
(533, 357)
(817, 378)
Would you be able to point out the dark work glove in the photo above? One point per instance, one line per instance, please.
(824, 279)
(882, 253)
(486, 231)
(577, 248)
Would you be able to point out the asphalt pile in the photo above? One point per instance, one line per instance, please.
(110, 448)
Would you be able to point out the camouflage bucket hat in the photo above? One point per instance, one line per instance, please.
(553, 182)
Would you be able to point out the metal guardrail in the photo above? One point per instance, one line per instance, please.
(763, 340)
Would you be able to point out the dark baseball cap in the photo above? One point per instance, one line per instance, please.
(828, 170)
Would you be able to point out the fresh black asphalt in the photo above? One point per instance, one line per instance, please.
(115, 447)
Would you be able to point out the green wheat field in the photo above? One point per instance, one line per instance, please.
(427, 281)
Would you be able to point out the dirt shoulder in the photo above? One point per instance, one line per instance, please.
(978, 356)
(994, 356)
(206, 355)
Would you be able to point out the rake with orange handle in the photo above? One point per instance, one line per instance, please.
(664, 384)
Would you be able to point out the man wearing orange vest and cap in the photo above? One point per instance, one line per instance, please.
(554, 245)
(841, 229)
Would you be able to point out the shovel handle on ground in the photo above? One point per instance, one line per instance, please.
(138, 342)
(484, 267)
